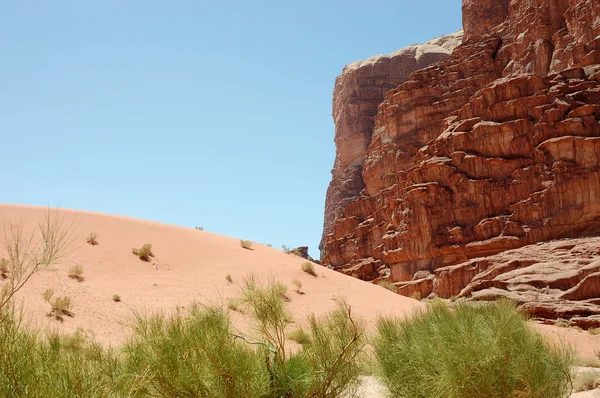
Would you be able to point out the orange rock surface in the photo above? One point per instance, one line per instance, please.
(495, 147)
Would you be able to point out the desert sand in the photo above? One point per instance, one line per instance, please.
(191, 266)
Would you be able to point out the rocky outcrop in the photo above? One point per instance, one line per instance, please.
(358, 92)
(558, 280)
(495, 147)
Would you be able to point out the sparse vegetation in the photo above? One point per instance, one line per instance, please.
(92, 239)
(228, 278)
(144, 253)
(61, 306)
(116, 298)
(594, 331)
(298, 285)
(285, 248)
(309, 268)
(76, 272)
(246, 244)
(199, 228)
(386, 284)
(469, 352)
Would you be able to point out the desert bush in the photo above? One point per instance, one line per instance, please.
(76, 272)
(228, 278)
(27, 256)
(144, 253)
(246, 244)
(36, 365)
(386, 284)
(472, 351)
(116, 298)
(193, 356)
(327, 367)
(92, 239)
(309, 268)
(60, 306)
(298, 285)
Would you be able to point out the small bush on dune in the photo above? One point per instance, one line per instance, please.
(92, 239)
(298, 285)
(484, 351)
(144, 253)
(116, 298)
(76, 272)
(309, 268)
(61, 306)
(246, 244)
(228, 278)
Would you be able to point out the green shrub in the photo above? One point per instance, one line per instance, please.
(116, 298)
(144, 253)
(474, 351)
(193, 356)
(327, 367)
(309, 268)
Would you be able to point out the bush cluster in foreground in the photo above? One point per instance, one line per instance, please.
(470, 352)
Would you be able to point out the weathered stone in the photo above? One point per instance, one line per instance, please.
(494, 147)
(358, 92)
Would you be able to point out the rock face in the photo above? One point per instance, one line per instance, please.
(554, 280)
(358, 92)
(495, 147)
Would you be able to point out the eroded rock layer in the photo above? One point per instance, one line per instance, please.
(495, 147)
(558, 280)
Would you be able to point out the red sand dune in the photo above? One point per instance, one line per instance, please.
(192, 265)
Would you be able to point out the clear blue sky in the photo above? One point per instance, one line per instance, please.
(208, 113)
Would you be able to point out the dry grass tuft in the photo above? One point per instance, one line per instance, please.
(144, 253)
(309, 268)
(61, 306)
(92, 239)
(76, 272)
(246, 244)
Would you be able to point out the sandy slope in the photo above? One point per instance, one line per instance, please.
(189, 265)
(192, 265)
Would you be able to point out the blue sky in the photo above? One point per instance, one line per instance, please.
(216, 114)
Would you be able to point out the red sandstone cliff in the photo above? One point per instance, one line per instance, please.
(357, 94)
(495, 147)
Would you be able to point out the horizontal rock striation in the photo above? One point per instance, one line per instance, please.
(495, 147)
(558, 280)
